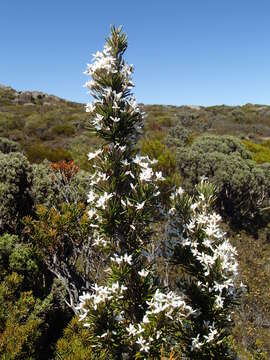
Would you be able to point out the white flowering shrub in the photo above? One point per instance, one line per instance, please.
(209, 271)
(128, 314)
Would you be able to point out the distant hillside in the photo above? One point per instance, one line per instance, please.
(48, 126)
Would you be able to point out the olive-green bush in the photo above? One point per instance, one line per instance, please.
(226, 145)
(51, 188)
(37, 152)
(75, 343)
(32, 312)
(179, 136)
(7, 146)
(15, 190)
(20, 258)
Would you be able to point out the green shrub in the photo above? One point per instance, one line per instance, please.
(51, 188)
(15, 190)
(9, 122)
(20, 258)
(251, 331)
(242, 185)
(7, 146)
(66, 130)
(226, 145)
(75, 343)
(32, 314)
(260, 152)
(179, 136)
(31, 328)
(62, 237)
(37, 152)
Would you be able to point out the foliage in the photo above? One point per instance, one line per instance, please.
(251, 332)
(66, 130)
(38, 152)
(27, 311)
(19, 258)
(59, 182)
(242, 186)
(7, 146)
(32, 313)
(63, 238)
(127, 313)
(67, 169)
(75, 343)
(260, 152)
(29, 328)
(179, 136)
(208, 271)
(15, 190)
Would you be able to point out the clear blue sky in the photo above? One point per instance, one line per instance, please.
(185, 51)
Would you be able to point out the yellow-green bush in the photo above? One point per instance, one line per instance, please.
(37, 152)
(75, 344)
(63, 129)
(260, 152)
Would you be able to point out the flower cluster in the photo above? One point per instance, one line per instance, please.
(173, 309)
(103, 61)
(100, 295)
(195, 238)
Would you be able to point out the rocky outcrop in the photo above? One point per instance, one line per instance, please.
(28, 97)
(35, 97)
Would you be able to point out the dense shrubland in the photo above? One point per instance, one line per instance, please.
(46, 255)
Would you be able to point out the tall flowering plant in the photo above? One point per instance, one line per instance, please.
(128, 314)
(208, 277)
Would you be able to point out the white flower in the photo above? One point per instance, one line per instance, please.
(219, 301)
(103, 199)
(211, 335)
(115, 119)
(115, 106)
(131, 330)
(141, 161)
(99, 240)
(180, 191)
(143, 273)
(146, 174)
(91, 196)
(146, 319)
(91, 213)
(90, 84)
(94, 154)
(127, 258)
(90, 107)
(139, 206)
(125, 162)
(196, 344)
(144, 345)
(97, 120)
(159, 176)
(119, 259)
